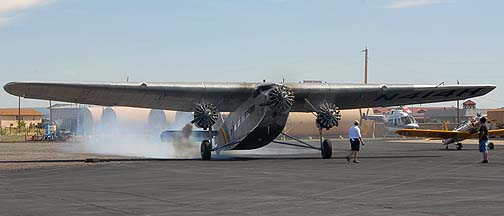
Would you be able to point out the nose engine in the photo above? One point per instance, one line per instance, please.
(281, 98)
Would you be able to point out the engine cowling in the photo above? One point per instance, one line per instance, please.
(328, 116)
(281, 98)
(205, 115)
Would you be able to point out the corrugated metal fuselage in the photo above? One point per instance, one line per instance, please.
(253, 125)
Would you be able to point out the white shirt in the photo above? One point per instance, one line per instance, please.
(354, 132)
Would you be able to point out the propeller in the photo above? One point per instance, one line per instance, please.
(281, 98)
(205, 115)
(328, 116)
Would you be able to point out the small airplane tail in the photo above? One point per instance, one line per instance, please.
(406, 109)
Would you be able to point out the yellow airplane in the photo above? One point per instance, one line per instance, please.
(465, 130)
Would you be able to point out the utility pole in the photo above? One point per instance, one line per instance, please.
(366, 82)
(365, 64)
(50, 113)
(19, 114)
(458, 108)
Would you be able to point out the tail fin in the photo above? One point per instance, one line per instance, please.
(406, 109)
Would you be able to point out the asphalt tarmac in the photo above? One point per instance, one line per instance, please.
(393, 178)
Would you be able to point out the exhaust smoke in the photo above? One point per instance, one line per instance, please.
(122, 136)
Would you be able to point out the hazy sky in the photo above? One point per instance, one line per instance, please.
(410, 41)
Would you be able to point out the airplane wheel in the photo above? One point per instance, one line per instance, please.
(446, 147)
(459, 146)
(491, 146)
(326, 149)
(206, 150)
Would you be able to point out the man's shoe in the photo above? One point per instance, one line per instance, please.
(348, 159)
(484, 161)
(356, 161)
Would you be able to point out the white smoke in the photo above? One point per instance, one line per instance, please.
(136, 132)
(114, 136)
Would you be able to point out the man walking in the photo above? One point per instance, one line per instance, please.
(355, 142)
(483, 139)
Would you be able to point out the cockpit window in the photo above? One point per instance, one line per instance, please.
(408, 120)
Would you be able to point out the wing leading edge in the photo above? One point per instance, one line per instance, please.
(182, 96)
(441, 134)
(434, 134)
(169, 96)
(380, 95)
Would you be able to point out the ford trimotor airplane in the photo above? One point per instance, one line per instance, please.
(258, 111)
(465, 130)
(395, 119)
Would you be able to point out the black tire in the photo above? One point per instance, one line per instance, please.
(459, 146)
(491, 146)
(206, 150)
(326, 149)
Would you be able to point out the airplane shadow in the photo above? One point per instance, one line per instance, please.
(226, 158)
(95, 160)
(245, 158)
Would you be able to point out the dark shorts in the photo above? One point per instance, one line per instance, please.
(483, 146)
(355, 144)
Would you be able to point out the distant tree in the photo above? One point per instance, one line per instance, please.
(22, 125)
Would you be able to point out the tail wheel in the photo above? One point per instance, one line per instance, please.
(326, 149)
(206, 150)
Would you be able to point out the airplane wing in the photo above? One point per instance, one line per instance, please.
(498, 132)
(182, 96)
(434, 134)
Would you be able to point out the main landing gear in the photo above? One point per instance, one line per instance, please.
(206, 150)
(326, 149)
(327, 117)
(325, 145)
(205, 115)
(459, 146)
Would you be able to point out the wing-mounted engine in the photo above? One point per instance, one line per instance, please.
(280, 98)
(328, 116)
(205, 115)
